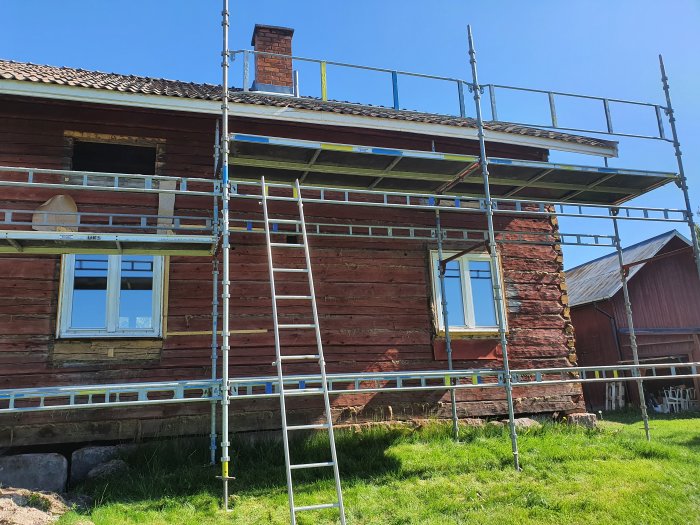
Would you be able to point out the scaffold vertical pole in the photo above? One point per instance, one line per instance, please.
(630, 325)
(225, 249)
(215, 299)
(682, 180)
(495, 266)
(446, 324)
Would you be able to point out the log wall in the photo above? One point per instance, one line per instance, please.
(374, 296)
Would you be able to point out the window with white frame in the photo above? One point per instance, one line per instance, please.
(469, 292)
(111, 296)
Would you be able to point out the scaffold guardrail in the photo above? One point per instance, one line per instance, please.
(191, 391)
(426, 233)
(460, 204)
(102, 181)
(606, 108)
(107, 395)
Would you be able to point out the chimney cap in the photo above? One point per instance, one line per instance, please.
(285, 31)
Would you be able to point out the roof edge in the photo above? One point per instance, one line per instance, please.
(172, 103)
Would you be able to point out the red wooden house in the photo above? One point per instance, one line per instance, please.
(105, 311)
(665, 296)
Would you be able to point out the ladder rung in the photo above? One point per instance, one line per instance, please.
(294, 326)
(308, 427)
(286, 245)
(284, 221)
(293, 297)
(317, 507)
(304, 392)
(312, 465)
(291, 270)
(299, 357)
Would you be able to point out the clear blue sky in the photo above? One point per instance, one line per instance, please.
(595, 47)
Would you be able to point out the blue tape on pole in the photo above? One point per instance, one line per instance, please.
(275, 227)
(268, 388)
(224, 175)
(249, 226)
(456, 203)
(431, 201)
(302, 385)
(387, 151)
(395, 88)
(251, 138)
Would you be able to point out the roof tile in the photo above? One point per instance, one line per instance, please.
(26, 71)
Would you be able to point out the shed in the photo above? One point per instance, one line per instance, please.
(665, 294)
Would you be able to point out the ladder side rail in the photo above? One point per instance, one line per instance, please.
(278, 352)
(322, 362)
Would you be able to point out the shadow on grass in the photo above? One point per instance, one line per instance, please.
(177, 468)
(167, 471)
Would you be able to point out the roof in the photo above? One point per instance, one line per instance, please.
(599, 279)
(66, 76)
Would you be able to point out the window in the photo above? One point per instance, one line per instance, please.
(469, 292)
(111, 296)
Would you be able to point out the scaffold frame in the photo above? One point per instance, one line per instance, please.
(212, 236)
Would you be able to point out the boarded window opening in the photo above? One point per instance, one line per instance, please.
(114, 158)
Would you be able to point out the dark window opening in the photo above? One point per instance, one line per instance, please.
(114, 158)
(293, 239)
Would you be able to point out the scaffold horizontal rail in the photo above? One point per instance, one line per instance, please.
(267, 387)
(605, 110)
(244, 189)
(602, 374)
(110, 395)
(98, 220)
(134, 394)
(33, 242)
(421, 233)
(113, 182)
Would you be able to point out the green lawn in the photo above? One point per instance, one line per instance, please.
(400, 476)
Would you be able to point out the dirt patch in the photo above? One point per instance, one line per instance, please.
(27, 507)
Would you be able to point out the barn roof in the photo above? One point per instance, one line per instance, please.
(66, 76)
(599, 279)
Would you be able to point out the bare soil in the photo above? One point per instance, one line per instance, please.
(27, 507)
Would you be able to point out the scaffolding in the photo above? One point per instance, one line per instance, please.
(453, 185)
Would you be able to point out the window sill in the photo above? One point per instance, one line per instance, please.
(469, 334)
(109, 337)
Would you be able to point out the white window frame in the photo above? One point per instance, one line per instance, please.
(467, 299)
(112, 312)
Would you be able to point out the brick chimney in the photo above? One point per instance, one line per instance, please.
(273, 74)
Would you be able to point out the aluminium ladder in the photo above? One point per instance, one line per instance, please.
(280, 359)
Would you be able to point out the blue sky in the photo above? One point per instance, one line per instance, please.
(594, 47)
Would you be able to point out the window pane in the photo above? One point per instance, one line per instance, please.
(453, 294)
(89, 292)
(482, 293)
(136, 292)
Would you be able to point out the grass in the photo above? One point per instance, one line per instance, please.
(38, 501)
(398, 475)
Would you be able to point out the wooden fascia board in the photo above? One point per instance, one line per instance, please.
(24, 88)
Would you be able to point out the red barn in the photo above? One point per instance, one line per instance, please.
(665, 296)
